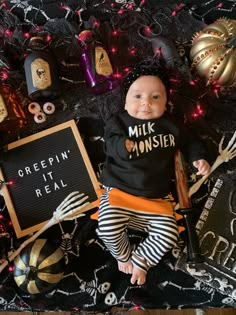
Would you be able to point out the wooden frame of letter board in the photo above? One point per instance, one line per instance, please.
(5, 190)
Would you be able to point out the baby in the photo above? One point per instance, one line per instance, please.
(140, 144)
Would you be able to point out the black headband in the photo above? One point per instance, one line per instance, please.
(147, 68)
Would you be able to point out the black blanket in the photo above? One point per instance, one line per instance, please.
(91, 279)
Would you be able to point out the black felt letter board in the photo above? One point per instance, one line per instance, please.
(45, 168)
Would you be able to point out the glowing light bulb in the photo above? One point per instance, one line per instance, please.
(7, 32)
(10, 268)
(49, 38)
(96, 24)
(147, 30)
(199, 109)
(117, 75)
(132, 51)
(64, 7)
(5, 75)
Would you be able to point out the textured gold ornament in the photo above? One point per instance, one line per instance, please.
(213, 52)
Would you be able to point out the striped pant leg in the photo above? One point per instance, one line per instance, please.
(112, 229)
(162, 235)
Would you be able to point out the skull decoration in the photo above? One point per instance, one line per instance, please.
(104, 287)
(213, 52)
(111, 299)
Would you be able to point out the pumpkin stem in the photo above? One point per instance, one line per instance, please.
(31, 273)
(232, 42)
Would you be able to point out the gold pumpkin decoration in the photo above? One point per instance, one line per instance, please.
(39, 267)
(213, 52)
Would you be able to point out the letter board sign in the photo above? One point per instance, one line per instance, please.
(44, 169)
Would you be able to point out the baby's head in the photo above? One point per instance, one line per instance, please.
(147, 91)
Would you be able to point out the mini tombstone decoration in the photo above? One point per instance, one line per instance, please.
(39, 267)
(216, 230)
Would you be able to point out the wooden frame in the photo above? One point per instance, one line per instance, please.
(26, 163)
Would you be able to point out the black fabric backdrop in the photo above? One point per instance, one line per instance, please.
(92, 281)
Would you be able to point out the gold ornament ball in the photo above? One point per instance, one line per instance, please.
(213, 52)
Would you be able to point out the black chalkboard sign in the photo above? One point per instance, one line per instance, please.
(45, 168)
(216, 228)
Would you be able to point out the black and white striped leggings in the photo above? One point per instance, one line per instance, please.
(113, 222)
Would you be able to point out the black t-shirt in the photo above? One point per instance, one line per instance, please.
(148, 170)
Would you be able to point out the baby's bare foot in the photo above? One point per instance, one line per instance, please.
(138, 275)
(126, 267)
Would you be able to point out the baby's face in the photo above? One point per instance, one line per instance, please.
(146, 98)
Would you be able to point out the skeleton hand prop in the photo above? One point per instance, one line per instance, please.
(224, 156)
(68, 210)
(71, 208)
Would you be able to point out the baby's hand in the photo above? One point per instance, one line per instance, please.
(202, 166)
(129, 144)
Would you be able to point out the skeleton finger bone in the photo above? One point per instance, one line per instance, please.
(60, 213)
(76, 212)
(70, 198)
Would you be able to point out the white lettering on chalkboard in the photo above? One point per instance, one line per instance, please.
(48, 176)
(220, 249)
(37, 166)
(40, 192)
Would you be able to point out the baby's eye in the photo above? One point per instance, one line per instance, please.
(155, 97)
(137, 96)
